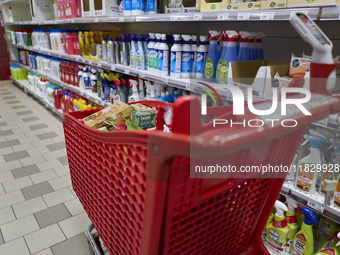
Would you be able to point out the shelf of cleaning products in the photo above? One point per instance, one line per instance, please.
(314, 201)
(263, 15)
(24, 85)
(91, 96)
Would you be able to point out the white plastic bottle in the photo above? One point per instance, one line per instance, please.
(157, 44)
(151, 53)
(133, 52)
(109, 50)
(93, 79)
(186, 57)
(135, 96)
(10, 14)
(80, 78)
(163, 57)
(104, 48)
(176, 58)
(193, 56)
(307, 172)
(140, 56)
(141, 88)
(86, 79)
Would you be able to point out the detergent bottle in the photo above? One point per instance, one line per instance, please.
(244, 53)
(151, 53)
(163, 57)
(270, 220)
(259, 45)
(278, 230)
(210, 64)
(325, 175)
(117, 44)
(186, 57)
(292, 223)
(229, 56)
(133, 53)
(325, 229)
(176, 58)
(124, 59)
(141, 88)
(110, 51)
(93, 80)
(331, 246)
(135, 96)
(303, 243)
(193, 56)
(140, 57)
(201, 57)
(104, 49)
(156, 47)
(306, 176)
(224, 42)
(252, 46)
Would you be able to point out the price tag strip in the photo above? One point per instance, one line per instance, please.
(267, 15)
(243, 16)
(315, 205)
(173, 17)
(198, 16)
(223, 16)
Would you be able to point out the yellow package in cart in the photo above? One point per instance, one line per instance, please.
(337, 194)
(305, 175)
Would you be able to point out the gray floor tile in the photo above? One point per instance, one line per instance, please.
(2, 124)
(76, 246)
(24, 113)
(24, 171)
(40, 126)
(56, 146)
(13, 102)
(7, 132)
(18, 107)
(15, 155)
(47, 135)
(1, 238)
(37, 190)
(9, 143)
(52, 215)
(63, 160)
(10, 97)
(30, 119)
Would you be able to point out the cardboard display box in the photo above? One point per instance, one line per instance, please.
(168, 9)
(246, 6)
(312, 3)
(212, 5)
(254, 75)
(275, 4)
(188, 6)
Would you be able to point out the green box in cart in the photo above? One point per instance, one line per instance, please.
(144, 119)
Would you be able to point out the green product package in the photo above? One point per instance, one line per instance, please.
(144, 119)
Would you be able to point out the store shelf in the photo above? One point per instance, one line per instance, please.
(254, 15)
(91, 96)
(24, 85)
(314, 201)
(330, 13)
(329, 122)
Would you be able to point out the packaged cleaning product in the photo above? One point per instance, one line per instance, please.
(303, 243)
(110, 113)
(325, 229)
(292, 223)
(331, 246)
(280, 82)
(270, 220)
(299, 67)
(277, 231)
(336, 200)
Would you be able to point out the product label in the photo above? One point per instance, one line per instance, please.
(132, 60)
(131, 99)
(136, 5)
(106, 93)
(68, 11)
(139, 60)
(163, 60)
(81, 82)
(223, 75)
(175, 64)
(192, 62)
(186, 61)
(324, 229)
(209, 69)
(87, 82)
(127, 5)
(94, 86)
(108, 52)
(305, 176)
(300, 245)
(151, 58)
(156, 60)
(274, 242)
(116, 98)
(122, 57)
(218, 68)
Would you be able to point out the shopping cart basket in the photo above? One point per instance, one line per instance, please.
(137, 191)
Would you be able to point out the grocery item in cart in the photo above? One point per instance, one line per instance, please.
(299, 67)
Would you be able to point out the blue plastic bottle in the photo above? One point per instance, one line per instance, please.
(140, 57)
(229, 56)
(244, 53)
(223, 42)
(168, 97)
(253, 46)
(163, 98)
(259, 45)
(175, 96)
(133, 52)
(210, 64)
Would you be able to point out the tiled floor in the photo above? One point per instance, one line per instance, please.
(39, 213)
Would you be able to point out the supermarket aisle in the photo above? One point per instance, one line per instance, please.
(39, 211)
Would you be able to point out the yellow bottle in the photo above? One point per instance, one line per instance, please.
(270, 220)
(326, 228)
(277, 231)
(292, 223)
(331, 246)
(82, 43)
(303, 243)
(87, 44)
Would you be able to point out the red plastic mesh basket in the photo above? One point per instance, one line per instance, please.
(137, 191)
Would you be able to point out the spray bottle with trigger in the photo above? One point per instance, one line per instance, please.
(303, 241)
(244, 53)
(322, 47)
(330, 246)
(292, 223)
(229, 56)
(210, 64)
(277, 231)
(151, 53)
(222, 54)
(201, 57)
(221, 44)
(193, 56)
(259, 45)
(252, 46)
(134, 97)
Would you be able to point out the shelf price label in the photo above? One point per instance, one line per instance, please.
(315, 205)
(90, 62)
(96, 20)
(138, 18)
(267, 15)
(127, 71)
(99, 64)
(173, 17)
(165, 79)
(243, 16)
(141, 75)
(187, 87)
(197, 16)
(113, 68)
(223, 16)
(121, 19)
(72, 20)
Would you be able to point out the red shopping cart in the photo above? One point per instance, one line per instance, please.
(137, 191)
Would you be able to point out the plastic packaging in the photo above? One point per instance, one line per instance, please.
(152, 54)
(163, 57)
(186, 64)
(292, 223)
(137, 7)
(210, 64)
(244, 53)
(140, 56)
(201, 57)
(193, 56)
(124, 54)
(110, 51)
(156, 46)
(176, 58)
(117, 44)
(133, 52)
